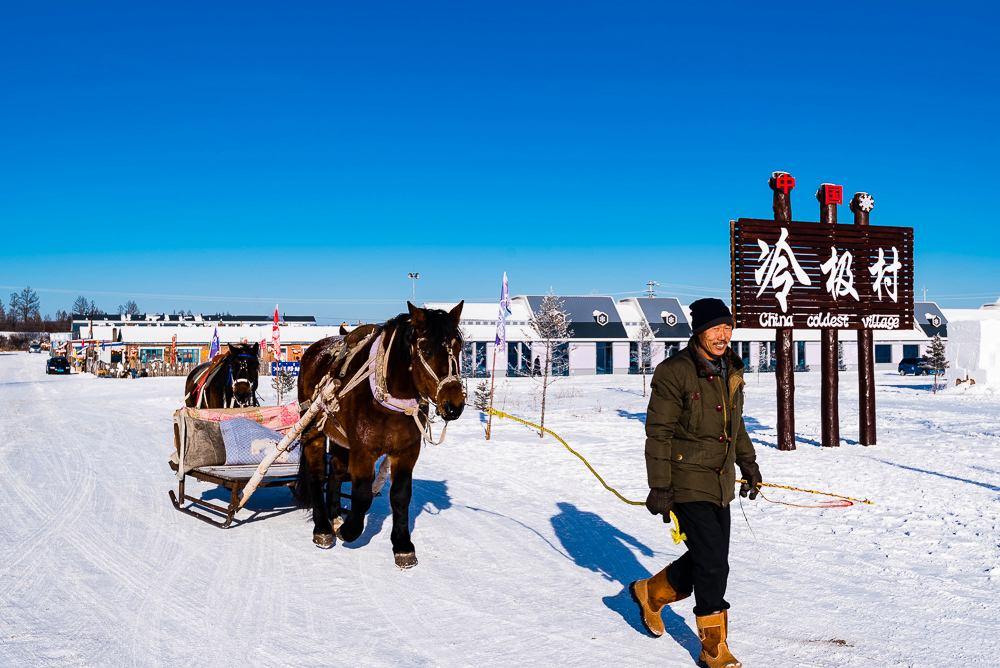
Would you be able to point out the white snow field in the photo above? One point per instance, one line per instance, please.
(524, 558)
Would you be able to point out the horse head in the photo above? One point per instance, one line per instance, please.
(244, 366)
(435, 343)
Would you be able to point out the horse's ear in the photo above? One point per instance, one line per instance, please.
(416, 313)
(343, 331)
(256, 348)
(456, 313)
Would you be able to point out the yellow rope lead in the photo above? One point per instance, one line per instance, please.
(501, 414)
(508, 416)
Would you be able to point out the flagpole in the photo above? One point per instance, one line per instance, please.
(493, 378)
(497, 342)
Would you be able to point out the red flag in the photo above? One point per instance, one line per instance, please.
(276, 337)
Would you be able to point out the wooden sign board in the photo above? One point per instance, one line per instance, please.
(814, 276)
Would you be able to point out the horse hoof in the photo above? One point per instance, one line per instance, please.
(336, 523)
(406, 560)
(324, 541)
(349, 534)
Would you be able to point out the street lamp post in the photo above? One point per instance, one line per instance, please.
(413, 275)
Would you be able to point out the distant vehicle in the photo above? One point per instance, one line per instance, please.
(35, 347)
(57, 365)
(917, 366)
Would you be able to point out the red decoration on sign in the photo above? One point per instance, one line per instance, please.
(833, 194)
(784, 183)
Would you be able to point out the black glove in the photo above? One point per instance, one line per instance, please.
(660, 501)
(751, 474)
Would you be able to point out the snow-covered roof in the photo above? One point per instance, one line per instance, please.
(591, 317)
(665, 316)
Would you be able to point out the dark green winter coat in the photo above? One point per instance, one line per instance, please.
(694, 428)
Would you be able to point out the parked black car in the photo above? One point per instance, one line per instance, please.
(917, 366)
(57, 365)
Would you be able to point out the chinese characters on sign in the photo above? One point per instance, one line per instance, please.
(822, 276)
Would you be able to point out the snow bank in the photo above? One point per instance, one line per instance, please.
(974, 345)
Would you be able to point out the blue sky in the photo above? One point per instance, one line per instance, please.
(222, 156)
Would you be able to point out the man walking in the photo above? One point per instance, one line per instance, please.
(694, 436)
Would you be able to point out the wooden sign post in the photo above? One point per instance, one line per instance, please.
(782, 184)
(829, 196)
(861, 205)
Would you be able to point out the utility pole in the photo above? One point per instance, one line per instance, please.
(413, 276)
(650, 288)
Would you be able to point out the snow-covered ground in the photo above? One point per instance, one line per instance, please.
(524, 558)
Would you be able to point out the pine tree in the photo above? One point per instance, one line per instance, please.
(481, 400)
(283, 381)
(936, 358)
(551, 325)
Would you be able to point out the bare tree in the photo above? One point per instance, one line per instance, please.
(551, 325)
(644, 352)
(3, 313)
(129, 308)
(24, 306)
(81, 306)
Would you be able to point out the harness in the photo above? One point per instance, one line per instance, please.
(376, 371)
(208, 374)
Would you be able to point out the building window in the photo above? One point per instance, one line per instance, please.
(147, 355)
(635, 358)
(743, 348)
(605, 358)
(911, 350)
(883, 354)
(474, 360)
(188, 355)
(518, 358)
(560, 359)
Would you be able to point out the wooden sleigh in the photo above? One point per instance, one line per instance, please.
(199, 453)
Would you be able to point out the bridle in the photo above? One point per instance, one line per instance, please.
(454, 372)
(236, 402)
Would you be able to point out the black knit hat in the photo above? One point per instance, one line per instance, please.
(707, 313)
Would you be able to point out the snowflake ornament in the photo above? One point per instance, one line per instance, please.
(866, 202)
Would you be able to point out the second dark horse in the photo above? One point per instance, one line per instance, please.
(416, 356)
(229, 380)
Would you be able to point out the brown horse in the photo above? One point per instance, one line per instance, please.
(404, 366)
(228, 380)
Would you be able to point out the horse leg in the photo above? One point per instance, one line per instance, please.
(338, 476)
(311, 476)
(399, 498)
(362, 467)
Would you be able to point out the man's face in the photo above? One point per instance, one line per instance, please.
(715, 340)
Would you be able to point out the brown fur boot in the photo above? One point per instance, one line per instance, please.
(652, 594)
(713, 629)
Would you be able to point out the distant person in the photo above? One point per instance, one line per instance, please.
(694, 437)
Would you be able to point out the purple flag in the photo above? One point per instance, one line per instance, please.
(214, 349)
(501, 338)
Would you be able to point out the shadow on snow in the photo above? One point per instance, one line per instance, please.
(603, 548)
